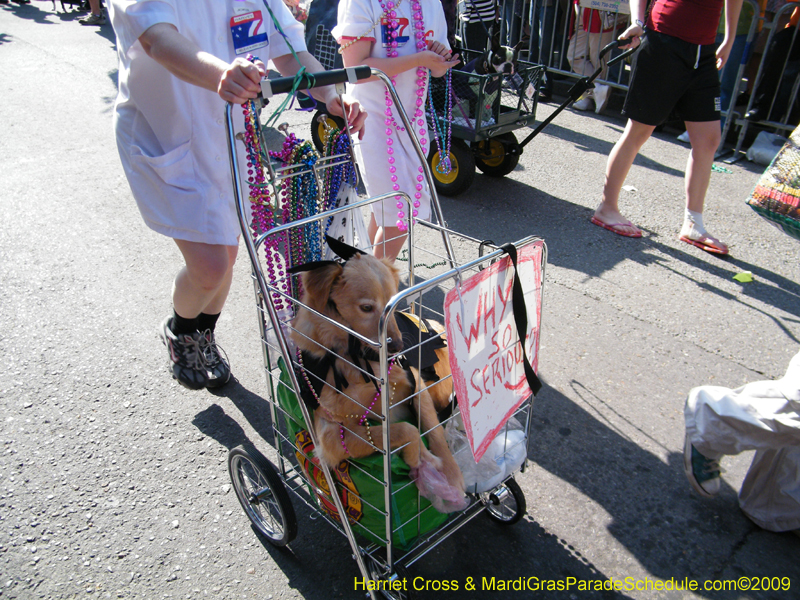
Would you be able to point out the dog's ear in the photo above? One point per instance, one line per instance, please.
(519, 46)
(345, 251)
(317, 285)
(494, 44)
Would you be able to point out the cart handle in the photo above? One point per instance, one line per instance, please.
(583, 84)
(616, 44)
(281, 85)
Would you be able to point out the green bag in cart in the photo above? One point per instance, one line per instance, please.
(361, 480)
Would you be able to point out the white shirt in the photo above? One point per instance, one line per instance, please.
(171, 134)
(357, 19)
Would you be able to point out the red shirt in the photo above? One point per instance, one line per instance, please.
(693, 21)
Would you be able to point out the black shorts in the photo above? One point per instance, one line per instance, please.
(670, 75)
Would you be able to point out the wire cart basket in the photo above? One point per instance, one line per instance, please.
(372, 501)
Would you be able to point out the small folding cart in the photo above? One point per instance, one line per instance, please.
(371, 501)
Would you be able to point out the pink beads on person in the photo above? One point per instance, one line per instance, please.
(393, 18)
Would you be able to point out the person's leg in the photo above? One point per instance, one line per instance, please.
(602, 92)
(704, 137)
(203, 283)
(619, 163)
(762, 416)
(774, 62)
(547, 18)
(578, 52)
(770, 493)
(96, 17)
(388, 242)
(477, 36)
(512, 20)
(198, 294)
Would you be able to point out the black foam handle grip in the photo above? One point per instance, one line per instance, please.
(281, 85)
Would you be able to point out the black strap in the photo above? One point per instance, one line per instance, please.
(318, 368)
(521, 319)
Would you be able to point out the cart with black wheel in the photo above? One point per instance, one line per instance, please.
(372, 501)
(479, 114)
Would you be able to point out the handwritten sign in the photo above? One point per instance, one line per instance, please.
(615, 6)
(485, 350)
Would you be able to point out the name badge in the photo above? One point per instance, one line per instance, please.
(249, 32)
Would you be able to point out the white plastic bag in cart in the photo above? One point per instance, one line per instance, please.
(347, 226)
(504, 456)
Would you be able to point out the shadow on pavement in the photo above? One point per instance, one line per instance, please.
(561, 223)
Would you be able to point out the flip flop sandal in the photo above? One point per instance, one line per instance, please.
(707, 243)
(613, 227)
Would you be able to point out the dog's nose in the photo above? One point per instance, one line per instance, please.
(395, 343)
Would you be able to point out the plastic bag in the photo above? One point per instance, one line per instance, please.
(347, 226)
(434, 486)
(504, 456)
(765, 147)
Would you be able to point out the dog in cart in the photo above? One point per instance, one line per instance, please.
(353, 295)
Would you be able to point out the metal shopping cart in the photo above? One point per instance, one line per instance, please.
(371, 501)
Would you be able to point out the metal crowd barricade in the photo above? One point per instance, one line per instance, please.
(730, 115)
(789, 75)
(551, 23)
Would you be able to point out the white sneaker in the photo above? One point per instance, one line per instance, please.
(684, 137)
(585, 101)
(601, 95)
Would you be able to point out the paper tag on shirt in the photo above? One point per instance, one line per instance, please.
(249, 32)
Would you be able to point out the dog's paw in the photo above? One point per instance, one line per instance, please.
(430, 459)
(453, 474)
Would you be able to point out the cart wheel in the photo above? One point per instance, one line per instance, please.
(400, 573)
(506, 504)
(497, 156)
(261, 493)
(462, 169)
(322, 118)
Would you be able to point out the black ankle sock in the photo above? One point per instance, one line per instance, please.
(182, 326)
(206, 321)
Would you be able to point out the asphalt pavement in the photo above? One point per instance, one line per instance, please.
(113, 479)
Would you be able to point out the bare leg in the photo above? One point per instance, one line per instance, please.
(387, 242)
(619, 163)
(705, 138)
(202, 285)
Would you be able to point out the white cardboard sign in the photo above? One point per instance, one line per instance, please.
(485, 353)
(614, 6)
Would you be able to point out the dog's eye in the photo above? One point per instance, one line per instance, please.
(366, 308)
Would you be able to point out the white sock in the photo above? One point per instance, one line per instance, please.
(694, 220)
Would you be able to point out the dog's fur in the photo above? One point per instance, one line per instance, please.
(354, 295)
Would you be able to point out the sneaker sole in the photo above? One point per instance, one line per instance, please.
(189, 385)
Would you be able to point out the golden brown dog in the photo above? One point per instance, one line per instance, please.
(354, 295)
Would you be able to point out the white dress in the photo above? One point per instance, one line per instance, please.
(171, 134)
(356, 20)
(763, 416)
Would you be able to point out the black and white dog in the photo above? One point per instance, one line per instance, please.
(498, 62)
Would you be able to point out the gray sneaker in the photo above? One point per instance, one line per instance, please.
(93, 19)
(218, 371)
(702, 472)
(186, 354)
